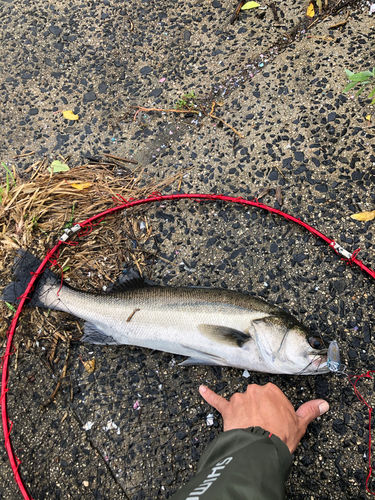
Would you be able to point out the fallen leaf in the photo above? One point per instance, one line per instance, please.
(57, 166)
(250, 5)
(89, 365)
(368, 118)
(263, 192)
(365, 216)
(279, 196)
(64, 417)
(69, 115)
(319, 4)
(310, 10)
(81, 185)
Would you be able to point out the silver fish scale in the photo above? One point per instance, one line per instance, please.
(210, 326)
(196, 322)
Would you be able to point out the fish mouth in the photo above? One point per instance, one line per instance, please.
(319, 361)
(318, 364)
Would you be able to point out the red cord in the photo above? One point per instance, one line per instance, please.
(14, 462)
(349, 258)
(370, 410)
(53, 262)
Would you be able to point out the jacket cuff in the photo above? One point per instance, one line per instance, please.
(252, 434)
(286, 458)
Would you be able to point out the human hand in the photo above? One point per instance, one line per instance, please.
(267, 407)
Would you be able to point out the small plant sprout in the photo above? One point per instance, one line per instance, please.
(70, 222)
(5, 191)
(363, 78)
(186, 101)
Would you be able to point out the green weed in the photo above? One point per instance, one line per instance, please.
(8, 177)
(13, 309)
(33, 223)
(363, 78)
(186, 101)
(70, 222)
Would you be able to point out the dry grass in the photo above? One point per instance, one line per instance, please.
(45, 202)
(34, 212)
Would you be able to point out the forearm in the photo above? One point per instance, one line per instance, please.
(240, 464)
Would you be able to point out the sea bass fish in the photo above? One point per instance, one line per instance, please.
(210, 326)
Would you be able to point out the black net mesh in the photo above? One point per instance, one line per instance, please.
(127, 422)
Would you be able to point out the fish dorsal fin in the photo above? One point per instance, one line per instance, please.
(132, 280)
(128, 285)
(224, 335)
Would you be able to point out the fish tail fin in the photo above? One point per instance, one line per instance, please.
(24, 265)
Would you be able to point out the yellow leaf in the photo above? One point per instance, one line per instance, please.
(368, 117)
(365, 216)
(81, 185)
(57, 166)
(310, 10)
(89, 365)
(250, 5)
(69, 115)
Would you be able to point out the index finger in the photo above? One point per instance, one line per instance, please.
(213, 399)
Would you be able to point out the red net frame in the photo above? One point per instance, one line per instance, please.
(350, 258)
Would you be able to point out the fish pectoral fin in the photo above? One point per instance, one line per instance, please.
(203, 358)
(93, 335)
(224, 335)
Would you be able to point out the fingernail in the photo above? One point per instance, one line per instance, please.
(202, 388)
(323, 407)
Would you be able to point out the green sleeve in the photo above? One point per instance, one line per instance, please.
(241, 464)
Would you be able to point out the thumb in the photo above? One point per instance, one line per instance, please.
(312, 409)
(213, 399)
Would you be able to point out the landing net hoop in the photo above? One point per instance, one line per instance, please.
(350, 258)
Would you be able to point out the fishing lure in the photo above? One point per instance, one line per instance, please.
(333, 357)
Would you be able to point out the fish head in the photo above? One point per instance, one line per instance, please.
(286, 346)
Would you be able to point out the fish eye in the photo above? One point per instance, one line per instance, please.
(316, 342)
